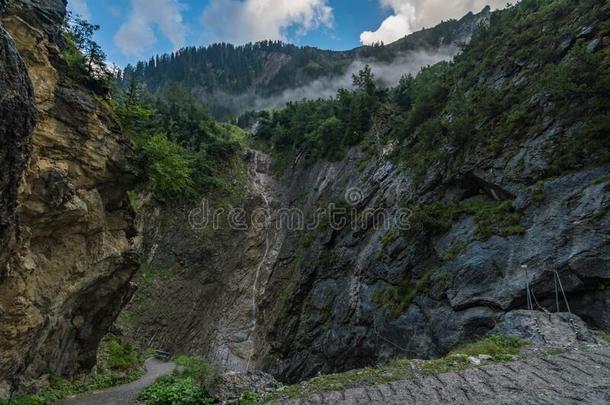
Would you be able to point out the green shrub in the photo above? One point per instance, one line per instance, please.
(455, 250)
(84, 57)
(395, 300)
(494, 217)
(538, 194)
(168, 167)
(61, 388)
(74, 58)
(189, 385)
(118, 363)
(117, 356)
(175, 390)
(199, 370)
(249, 398)
(436, 217)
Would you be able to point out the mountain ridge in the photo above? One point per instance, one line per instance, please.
(234, 79)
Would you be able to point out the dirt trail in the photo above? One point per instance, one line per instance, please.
(124, 394)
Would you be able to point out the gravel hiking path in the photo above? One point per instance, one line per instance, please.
(124, 394)
(576, 377)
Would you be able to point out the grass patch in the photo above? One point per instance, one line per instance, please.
(395, 300)
(436, 217)
(492, 217)
(455, 250)
(249, 398)
(308, 239)
(443, 280)
(342, 381)
(501, 348)
(601, 180)
(606, 336)
(538, 194)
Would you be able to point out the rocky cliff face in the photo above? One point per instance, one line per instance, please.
(363, 294)
(18, 115)
(205, 268)
(485, 224)
(320, 303)
(74, 258)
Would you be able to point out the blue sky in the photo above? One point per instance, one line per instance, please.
(133, 30)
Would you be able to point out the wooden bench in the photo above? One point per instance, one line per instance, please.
(161, 355)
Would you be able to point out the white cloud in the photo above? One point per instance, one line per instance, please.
(137, 34)
(412, 15)
(239, 21)
(80, 7)
(387, 74)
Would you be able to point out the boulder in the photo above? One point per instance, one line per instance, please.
(233, 385)
(558, 330)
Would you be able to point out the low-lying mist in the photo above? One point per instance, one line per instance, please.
(387, 74)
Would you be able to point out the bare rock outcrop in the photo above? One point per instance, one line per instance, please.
(206, 267)
(18, 115)
(69, 273)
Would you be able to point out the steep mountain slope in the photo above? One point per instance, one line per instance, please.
(69, 269)
(500, 161)
(497, 201)
(231, 80)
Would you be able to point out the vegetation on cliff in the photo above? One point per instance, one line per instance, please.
(183, 149)
(469, 103)
(84, 56)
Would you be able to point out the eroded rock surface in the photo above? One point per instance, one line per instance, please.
(204, 274)
(572, 377)
(69, 275)
(18, 115)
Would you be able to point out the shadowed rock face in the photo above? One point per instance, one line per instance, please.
(319, 313)
(70, 269)
(201, 286)
(17, 114)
